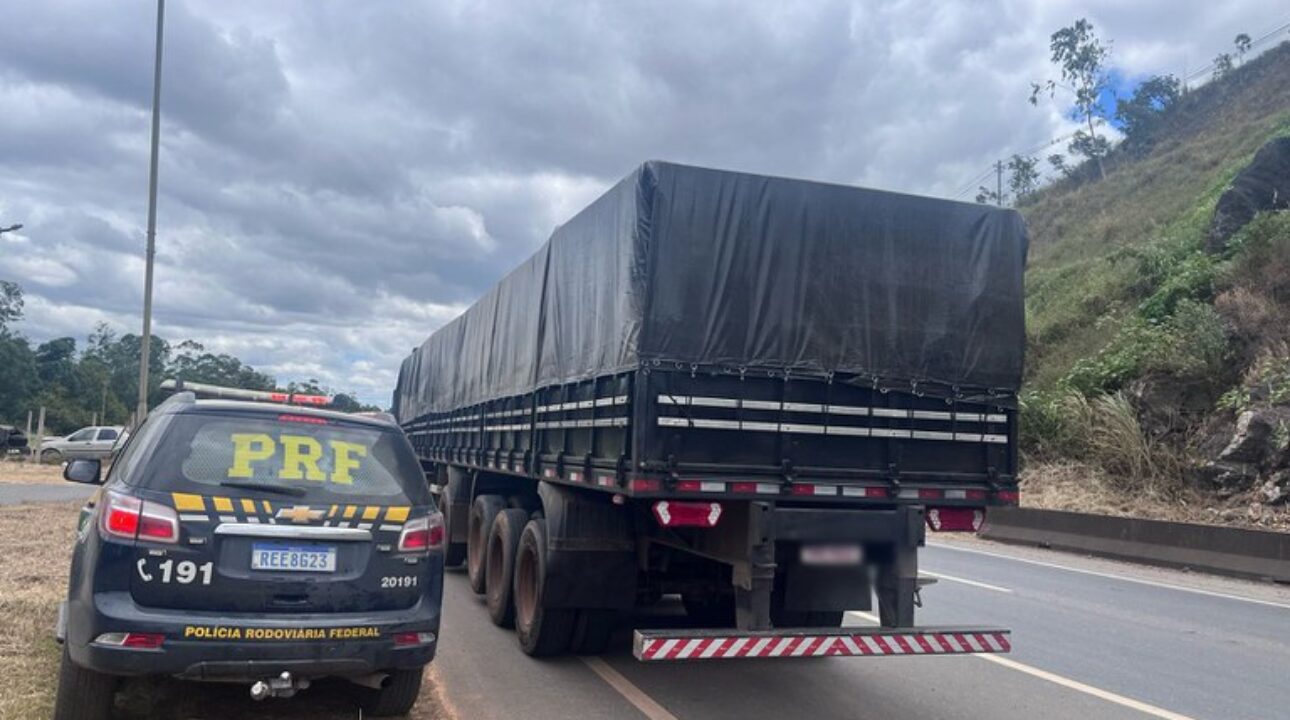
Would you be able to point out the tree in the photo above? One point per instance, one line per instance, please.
(1222, 65)
(1242, 43)
(1023, 176)
(986, 196)
(1082, 57)
(1140, 115)
(1059, 164)
(10, 304)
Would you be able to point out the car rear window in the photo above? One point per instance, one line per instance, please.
(323, 458)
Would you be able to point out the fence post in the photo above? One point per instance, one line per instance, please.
(40, 434)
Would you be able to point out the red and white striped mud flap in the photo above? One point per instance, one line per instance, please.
(655, 645)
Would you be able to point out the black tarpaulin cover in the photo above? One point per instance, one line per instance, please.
(711, 268)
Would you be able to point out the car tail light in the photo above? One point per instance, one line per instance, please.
(129, 518)
(675, 513)
(409, 639)
(422, 534)
(134, 641)
(956, 519)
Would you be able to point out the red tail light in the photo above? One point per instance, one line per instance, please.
(408, 639)
(956, 519)
(129, 518)
(422, 534)
(134, 641)
(1011, 497)
(675, 513)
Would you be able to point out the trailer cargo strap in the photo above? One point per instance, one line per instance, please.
(729, 644)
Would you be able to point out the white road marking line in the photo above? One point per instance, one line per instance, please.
(973, 583)
(1086, 689)
(632, 694)
(1065, 682)
(1113, 576)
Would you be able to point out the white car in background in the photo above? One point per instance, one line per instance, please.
(94, 442)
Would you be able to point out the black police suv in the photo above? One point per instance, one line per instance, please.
(259, 543)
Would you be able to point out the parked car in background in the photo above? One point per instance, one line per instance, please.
(12, 440)
(94, 442)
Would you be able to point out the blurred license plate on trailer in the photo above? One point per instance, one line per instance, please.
(831, 555)
(291, 558)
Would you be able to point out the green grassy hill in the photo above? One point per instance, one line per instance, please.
(1124, 308)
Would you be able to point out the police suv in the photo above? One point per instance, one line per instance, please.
(253, 542)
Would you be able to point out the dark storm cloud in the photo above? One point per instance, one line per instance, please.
(338, 179)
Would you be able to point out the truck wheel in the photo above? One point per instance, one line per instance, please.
(710, 610)
(482, 513)
(83, 694)
(499, 565)
(454, 553)
(591, 632)
(396, 697)
(542, 631)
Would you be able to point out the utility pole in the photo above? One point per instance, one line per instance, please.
(998, 182)
(145, 349)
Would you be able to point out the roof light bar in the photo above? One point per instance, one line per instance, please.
(229, 393)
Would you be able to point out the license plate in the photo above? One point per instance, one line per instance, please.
(830, 554)
(292, 558)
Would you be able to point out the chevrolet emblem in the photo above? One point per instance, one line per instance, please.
(299, 514)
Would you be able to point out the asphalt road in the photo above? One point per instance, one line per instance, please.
(16, 494)
(1091, 638)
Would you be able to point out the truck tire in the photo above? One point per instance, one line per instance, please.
(454, 553)
(499, 565)
(542, 631)
(83, 694)
(482, 513)
(591, 632)
(396, 697)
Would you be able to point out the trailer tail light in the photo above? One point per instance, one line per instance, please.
(1008, 497)
(955, 519)
(930, 494)
(644, 485)
(129, 518)
(675, 513)
(131, 640)
(755, 488)
(422, 534)
(700, 486)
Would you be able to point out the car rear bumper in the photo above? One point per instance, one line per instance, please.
(212, 646)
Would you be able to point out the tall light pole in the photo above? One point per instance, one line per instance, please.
(145, 350)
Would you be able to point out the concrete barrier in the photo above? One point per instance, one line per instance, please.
(1236, 552)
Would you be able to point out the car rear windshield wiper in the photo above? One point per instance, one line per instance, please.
(265, 487)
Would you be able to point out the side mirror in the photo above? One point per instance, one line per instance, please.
(83, 471)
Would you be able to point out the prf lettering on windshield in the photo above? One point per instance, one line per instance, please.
(301, 456)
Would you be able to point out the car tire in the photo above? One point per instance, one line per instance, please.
(591, 632)
(83, 694)
(482, 512)
(499, 565)
(51, 456)
(454, 553)
(395, 697)
(542, 631)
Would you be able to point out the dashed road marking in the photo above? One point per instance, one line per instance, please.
(1113, 576)
(1065, 682)
(632, 694)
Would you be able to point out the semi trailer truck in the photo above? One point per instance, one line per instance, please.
(757, 393)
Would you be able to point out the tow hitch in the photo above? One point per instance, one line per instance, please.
(283, 686)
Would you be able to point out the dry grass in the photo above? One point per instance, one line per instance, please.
(13, 472)
(36, 542)
(1078, 487)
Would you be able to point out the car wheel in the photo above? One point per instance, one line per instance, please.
(51, 456)
(396, 695)
(482, 512)
(499, 565)
(83, 694)
(541, 630)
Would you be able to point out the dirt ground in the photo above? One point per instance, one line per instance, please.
(13, 472)
(36, 543)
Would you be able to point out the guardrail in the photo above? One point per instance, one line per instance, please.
(1236, 552)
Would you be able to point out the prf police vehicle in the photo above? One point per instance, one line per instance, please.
(254, 542)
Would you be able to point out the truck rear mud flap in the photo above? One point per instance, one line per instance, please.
(662, 645)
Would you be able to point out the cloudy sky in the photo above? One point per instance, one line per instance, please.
(338, 178)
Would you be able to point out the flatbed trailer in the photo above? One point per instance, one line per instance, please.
(754, 392)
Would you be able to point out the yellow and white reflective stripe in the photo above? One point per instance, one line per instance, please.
(371, 512)
(214, 508)
(223, 504)
(396, 514)
(185, 502)
(248, 507)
